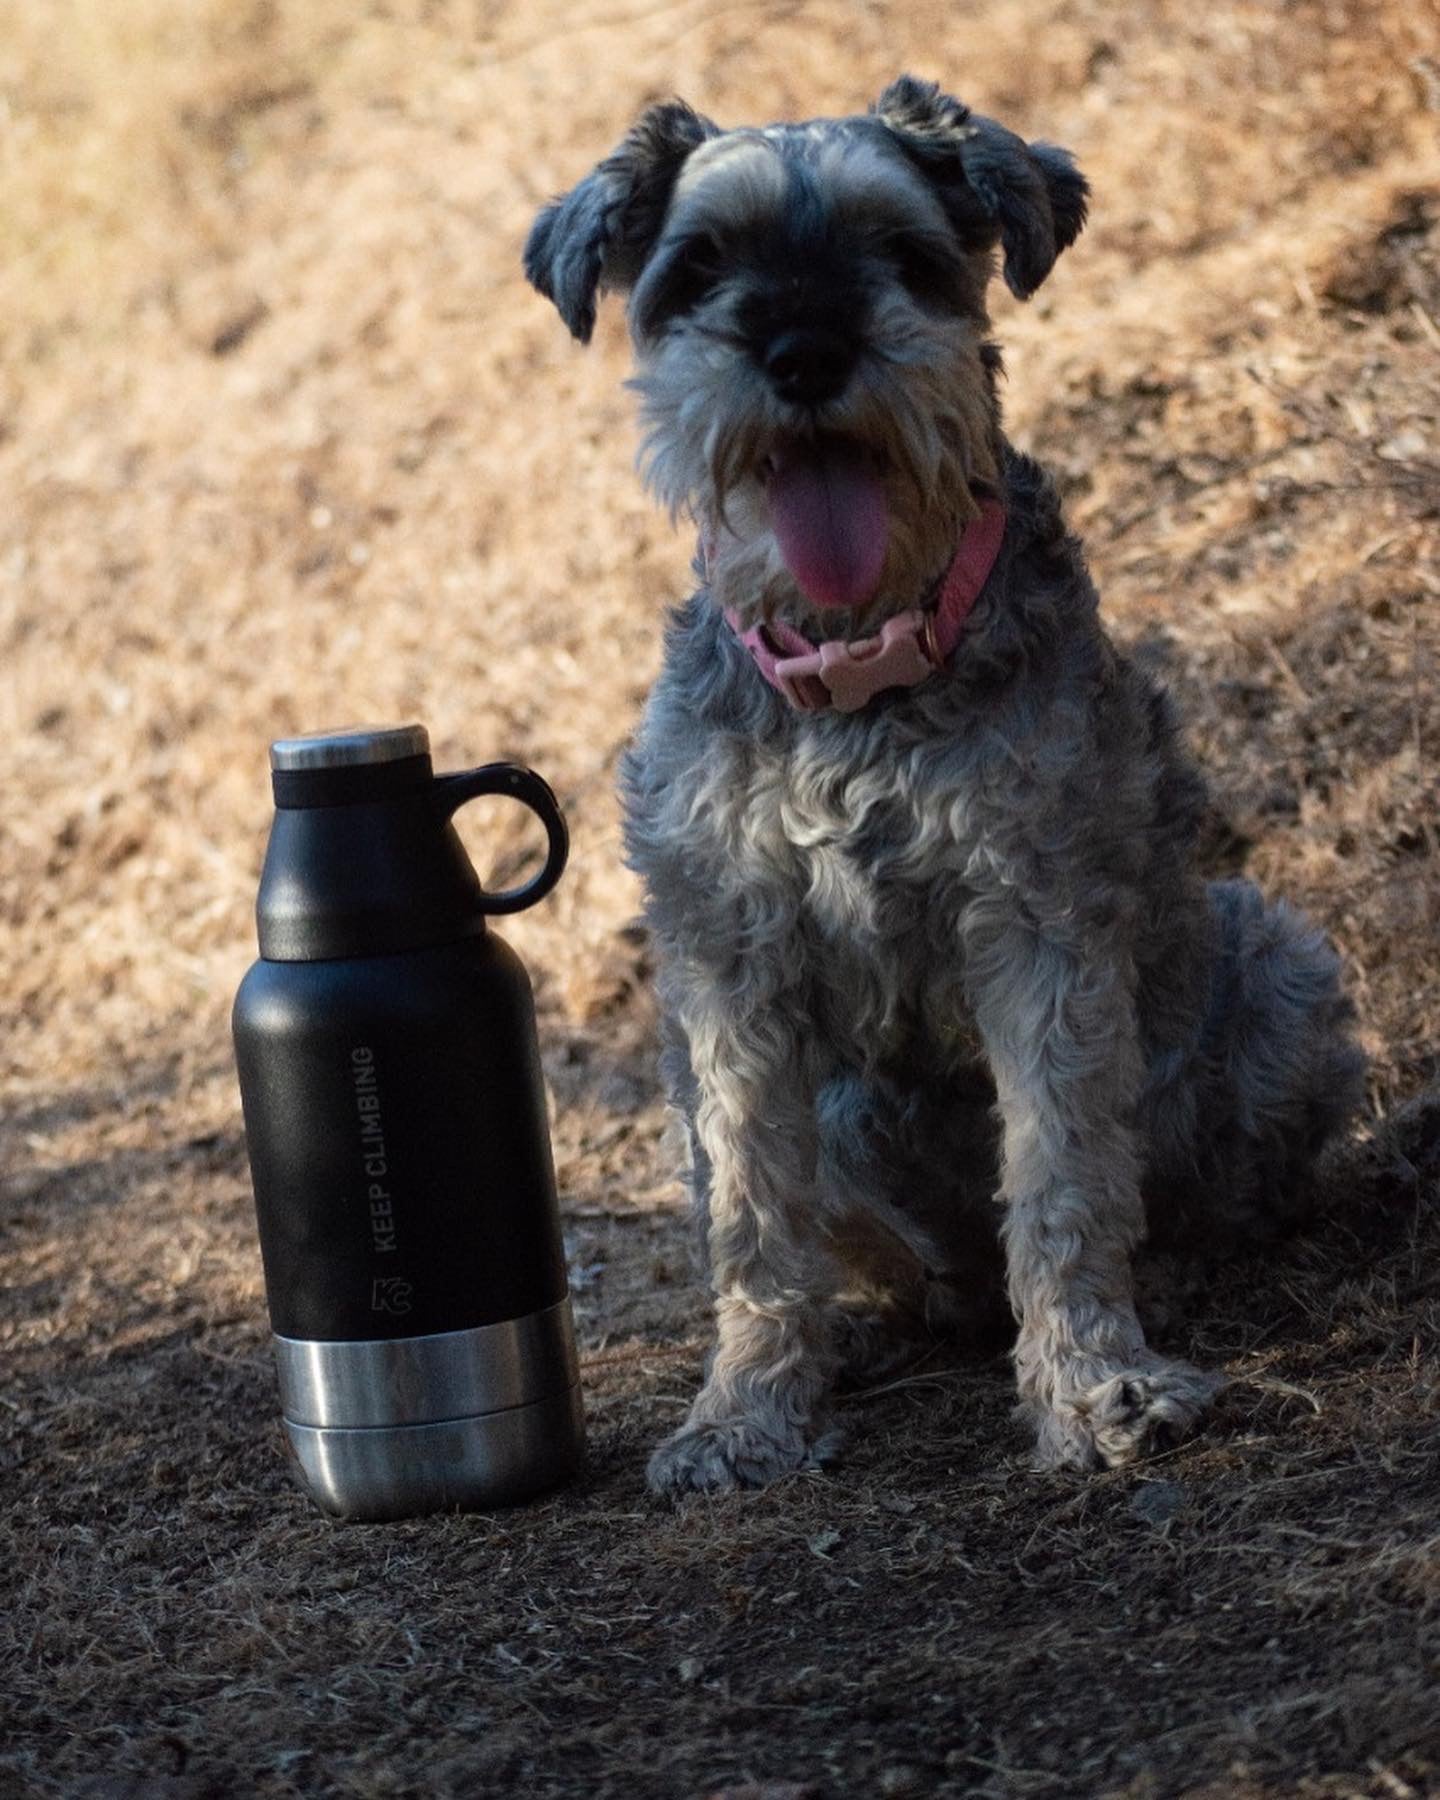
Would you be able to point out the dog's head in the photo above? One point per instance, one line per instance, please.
(807, 304)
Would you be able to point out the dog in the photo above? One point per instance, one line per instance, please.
(940, 985)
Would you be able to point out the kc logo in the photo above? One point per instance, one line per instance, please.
(391, 1294)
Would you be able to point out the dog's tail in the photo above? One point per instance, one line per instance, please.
(1274, 1075)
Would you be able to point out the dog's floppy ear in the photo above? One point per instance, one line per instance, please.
(1029, 195)
(600, 233)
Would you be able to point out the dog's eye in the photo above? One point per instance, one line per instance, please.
(691, 271)
(929, 267)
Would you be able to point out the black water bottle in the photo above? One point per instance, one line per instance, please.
(395, 1120)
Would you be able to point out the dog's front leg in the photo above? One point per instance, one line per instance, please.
(758, 1414)
(1058, 1020)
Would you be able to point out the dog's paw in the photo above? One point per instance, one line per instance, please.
(1128, 1415)
(722, 1454)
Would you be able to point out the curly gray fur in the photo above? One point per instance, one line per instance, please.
(941, 987)
(888, 942)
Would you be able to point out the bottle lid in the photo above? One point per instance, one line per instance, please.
(350, 747)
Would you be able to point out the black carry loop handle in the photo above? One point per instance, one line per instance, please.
(512, 782)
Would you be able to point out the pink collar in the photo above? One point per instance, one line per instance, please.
(909, 647)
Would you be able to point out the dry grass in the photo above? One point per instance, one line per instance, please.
(284, 441)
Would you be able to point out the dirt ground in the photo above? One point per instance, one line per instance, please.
(285, 441)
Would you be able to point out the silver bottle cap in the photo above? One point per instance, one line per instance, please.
(350, 746)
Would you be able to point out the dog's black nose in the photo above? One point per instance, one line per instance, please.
(809, 365)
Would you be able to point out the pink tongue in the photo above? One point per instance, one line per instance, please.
(827, 505)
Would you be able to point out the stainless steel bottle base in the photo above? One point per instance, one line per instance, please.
(385, 1427)
(419, 1380)
(397, 1471)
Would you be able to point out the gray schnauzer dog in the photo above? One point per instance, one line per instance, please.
(939, 982)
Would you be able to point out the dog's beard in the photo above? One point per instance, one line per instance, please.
(913, 430)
